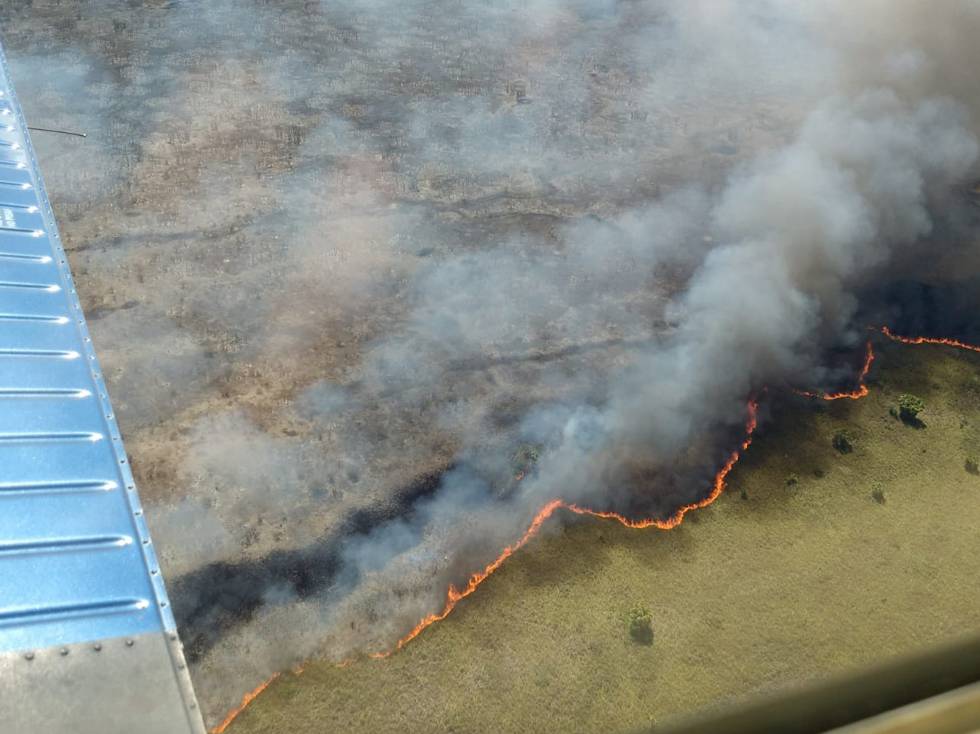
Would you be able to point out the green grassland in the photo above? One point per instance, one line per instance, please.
(776, 583)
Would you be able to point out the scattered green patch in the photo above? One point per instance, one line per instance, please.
(641, 625)
(909, 407)
(525, 458)
(843, 441)
(972, 465)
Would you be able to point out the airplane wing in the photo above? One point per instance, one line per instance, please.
(88, 642)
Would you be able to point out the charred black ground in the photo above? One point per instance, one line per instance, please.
(213, 599)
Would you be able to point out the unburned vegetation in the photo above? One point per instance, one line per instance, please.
(870, 555)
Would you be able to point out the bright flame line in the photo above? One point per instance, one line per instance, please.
(454, 595)
(856, 394)
(246, 700)
(928, 340)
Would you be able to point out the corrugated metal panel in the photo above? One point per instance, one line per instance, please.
(76, 560)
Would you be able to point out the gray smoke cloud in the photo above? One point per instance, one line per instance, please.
(401, 248)
(766, 271)
(794, 235)
(697, 295)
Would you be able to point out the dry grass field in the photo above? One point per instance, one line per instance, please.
(866, 555)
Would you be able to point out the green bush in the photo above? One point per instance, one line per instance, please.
(641, 625)
(843, 441)
(909, 406)
(792, 480)
(972, 465)
(878, 495)
(525, 458)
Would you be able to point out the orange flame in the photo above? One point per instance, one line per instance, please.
(856, 394)
(678, 517)
(246, 700)
(928, 340)
(454, 595)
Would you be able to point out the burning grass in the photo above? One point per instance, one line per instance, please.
(761, 593)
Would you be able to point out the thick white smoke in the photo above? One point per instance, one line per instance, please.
(718, 282)
(767, 270)
(585, 229)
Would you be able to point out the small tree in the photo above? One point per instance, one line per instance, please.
(909, 407)
(525, 457)
(843, 441)
(641, 625)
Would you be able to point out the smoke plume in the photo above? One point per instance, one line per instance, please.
(409, 252)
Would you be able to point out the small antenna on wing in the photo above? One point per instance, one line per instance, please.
(52, 130)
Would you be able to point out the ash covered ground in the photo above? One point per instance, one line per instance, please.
(331, 257)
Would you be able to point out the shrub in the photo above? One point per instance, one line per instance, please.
(843, 441)
(526, 457)
(909, 406)
(792, 480)
(878, 495)
(641, 625)
(972, 465)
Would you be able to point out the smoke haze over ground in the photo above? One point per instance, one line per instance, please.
(347, 270)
